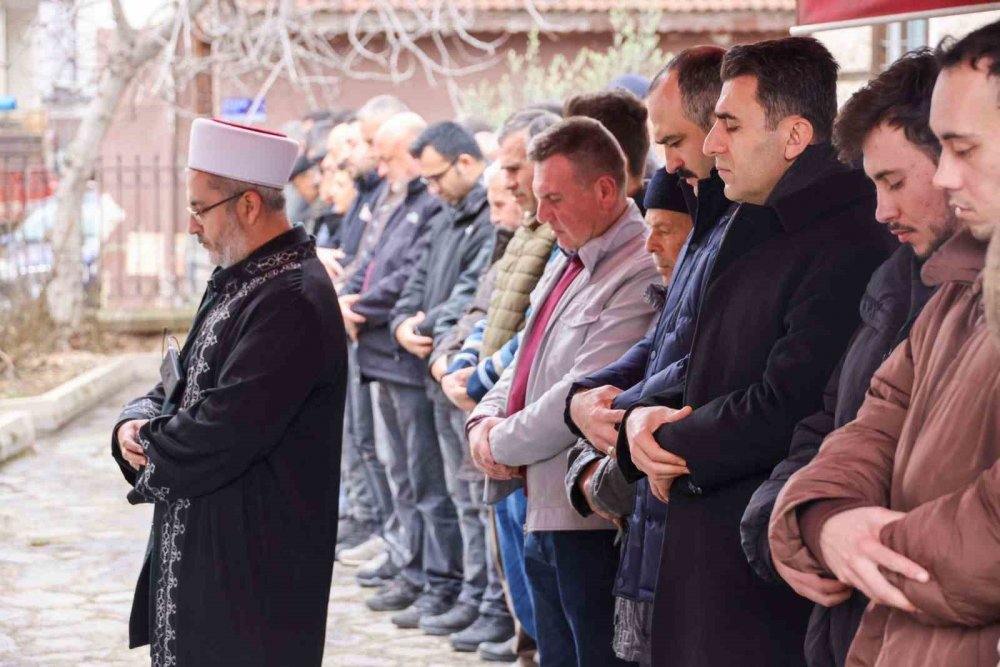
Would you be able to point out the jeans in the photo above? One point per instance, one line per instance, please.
(426, 513)
(571, 574)
(511, 513)
(481, 586)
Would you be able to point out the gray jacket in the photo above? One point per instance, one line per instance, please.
(598, 318)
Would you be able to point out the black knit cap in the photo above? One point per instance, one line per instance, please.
(664, 192)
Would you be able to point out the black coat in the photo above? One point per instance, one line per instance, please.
(779, 309)
(657, 366)
(446, 279)
(352, 227)
(892, 301)
(380, 281)
(244, 472)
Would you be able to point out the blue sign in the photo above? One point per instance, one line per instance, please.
(236, 110)
(8, 102)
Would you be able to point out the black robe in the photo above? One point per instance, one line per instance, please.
(244, 472)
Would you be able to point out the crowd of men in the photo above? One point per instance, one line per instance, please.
(700, 373)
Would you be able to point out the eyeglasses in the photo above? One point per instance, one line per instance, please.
(199, 214)
(435, 179)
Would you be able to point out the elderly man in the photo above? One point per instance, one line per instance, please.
(885, 124)
(902, 502)
(588, 309)
(403, 224)
(238, 447)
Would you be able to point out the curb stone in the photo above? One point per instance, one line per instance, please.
(22, 418)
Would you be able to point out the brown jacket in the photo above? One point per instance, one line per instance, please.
(926, 442)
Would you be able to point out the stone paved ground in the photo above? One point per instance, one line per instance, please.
(70, 549)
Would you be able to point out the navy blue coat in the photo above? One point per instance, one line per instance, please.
(352, 227)
(779, 309)
(384, 274)
(892, 301)
(656, 366)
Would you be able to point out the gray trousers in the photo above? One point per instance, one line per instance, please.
(481, 584)
(362, 483)
(424, 507)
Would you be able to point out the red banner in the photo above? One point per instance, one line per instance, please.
(827, 11)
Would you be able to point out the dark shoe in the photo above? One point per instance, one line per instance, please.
(486, 630)
(425, 605)
(455, 619)
(351, 533)
(399, 594)
(497, 651)
(380, 572)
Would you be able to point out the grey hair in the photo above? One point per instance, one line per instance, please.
(381, 108)
(532, 120)
(273, 198)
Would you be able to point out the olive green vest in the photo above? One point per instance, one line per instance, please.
(518, 272)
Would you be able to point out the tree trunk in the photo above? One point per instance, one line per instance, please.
(64, 294)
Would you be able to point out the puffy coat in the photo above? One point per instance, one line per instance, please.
(926, 442)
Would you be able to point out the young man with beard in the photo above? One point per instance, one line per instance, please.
(778, 309)
(902, 503)
(237, 448)
(885, 125)
(680, 102)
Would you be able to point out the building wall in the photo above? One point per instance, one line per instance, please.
(861, 51)
(18, 55)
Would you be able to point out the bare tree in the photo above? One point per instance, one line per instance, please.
(312, 43)
(130, 51)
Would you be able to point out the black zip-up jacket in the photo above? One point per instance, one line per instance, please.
(462, 241)
(380, 281)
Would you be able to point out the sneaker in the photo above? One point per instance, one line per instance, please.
(457, 618)
(351, 533)
(426, 605)
(497, 651)
(363, 553)
(398, 595)
(376, 572)
(486, 630)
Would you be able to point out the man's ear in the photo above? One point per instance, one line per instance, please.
(800, 135)
(607, 189)
(251, 205)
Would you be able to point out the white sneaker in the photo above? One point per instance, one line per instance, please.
(363, 553)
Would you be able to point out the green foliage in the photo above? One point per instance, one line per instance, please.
(635, 48)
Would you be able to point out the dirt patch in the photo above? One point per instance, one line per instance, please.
(38, 373)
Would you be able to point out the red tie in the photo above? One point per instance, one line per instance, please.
(533, 337)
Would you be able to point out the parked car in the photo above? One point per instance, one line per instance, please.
(26, 252)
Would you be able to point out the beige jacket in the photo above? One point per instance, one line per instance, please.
(599, 317)
(926, 442)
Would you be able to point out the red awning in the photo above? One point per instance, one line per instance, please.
(820, 14)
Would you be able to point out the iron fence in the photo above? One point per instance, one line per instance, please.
(136, 255)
